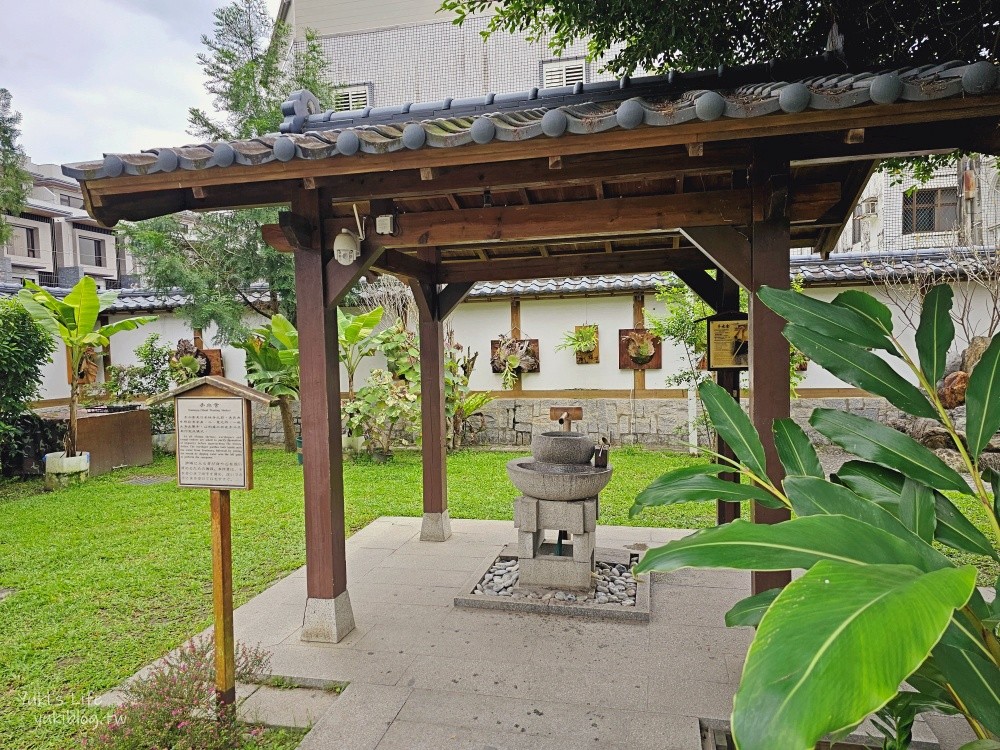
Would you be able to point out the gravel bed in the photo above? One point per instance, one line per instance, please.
(614, 585)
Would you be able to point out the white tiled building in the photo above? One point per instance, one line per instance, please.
(54, 242)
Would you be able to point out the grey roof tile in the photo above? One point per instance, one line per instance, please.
(655, 101)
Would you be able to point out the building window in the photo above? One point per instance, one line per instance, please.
(91, 251)
(70, 200)
(556, 73)
(856, 225)
(934, 210)
(350, 98)
(23, 242)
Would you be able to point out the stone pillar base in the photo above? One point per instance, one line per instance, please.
(436, 527)
(328, 620)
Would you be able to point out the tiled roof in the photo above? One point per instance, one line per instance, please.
(657, 101)
(842, 268)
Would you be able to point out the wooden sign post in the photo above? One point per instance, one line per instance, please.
(212, 420)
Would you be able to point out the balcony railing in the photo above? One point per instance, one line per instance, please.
(45, 278)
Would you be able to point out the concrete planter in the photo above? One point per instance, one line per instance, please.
(61, 471)
(353, 444)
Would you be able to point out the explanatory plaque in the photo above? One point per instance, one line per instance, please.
(212, 442)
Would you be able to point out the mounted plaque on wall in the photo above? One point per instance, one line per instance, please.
(728, 341)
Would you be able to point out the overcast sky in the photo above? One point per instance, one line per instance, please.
(96, 76)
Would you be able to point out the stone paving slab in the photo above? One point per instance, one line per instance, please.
(297, 708)
(358, 720)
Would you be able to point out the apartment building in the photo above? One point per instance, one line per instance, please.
(55, 243)
(397, 51)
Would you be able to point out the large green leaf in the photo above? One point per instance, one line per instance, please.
(867, 307)
(993, 478)
(85, 303)
(981, 745)
(837, 322)
(823, 658)
(885, 487)
(811, 496)
(795, 450)
(917, 509)
(860, 368)
(696, 483)
(935, 332)
(129, 324)
(982, 399)
(748, 612)
(799, 543)
(42, 315)
(733, 426)
(975, 679)
(888, 447)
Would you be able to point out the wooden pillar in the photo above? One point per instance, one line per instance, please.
(769, 351)
(328, 615)
(515, 332)
(730, 380)
(436, 525)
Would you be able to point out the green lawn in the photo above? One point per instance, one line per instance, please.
(111, 575)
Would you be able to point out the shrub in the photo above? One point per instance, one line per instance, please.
(175, 706)
(24, 348)
(151, 376)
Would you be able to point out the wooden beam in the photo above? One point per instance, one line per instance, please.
(453, 202)
(725, 248)
(769, 351)
(539, 222)
(639, 261)
(341, 279)
(638, 321)
(326, 554)
(851, 191)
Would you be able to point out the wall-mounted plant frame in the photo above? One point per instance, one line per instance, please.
(510, 358)
(639, 349)
(585, 342)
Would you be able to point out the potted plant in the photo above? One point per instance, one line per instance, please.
(510, 357)
(73, 320)
(583, 341)
(640, 345)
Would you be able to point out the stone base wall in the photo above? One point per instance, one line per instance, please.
(655, 422)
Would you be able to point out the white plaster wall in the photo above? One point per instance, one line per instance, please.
(475, 325)
(54, 380)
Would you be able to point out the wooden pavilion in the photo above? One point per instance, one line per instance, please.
(712, 175)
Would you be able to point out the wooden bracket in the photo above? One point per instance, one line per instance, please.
(726, 248)
(297, 230)
(709, 290)
(451, 296)
(555, 162)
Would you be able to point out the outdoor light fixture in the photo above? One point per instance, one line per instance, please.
(347, 244)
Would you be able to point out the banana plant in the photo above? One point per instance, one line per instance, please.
(880, 606)
(73, 319)
(357, 339)
(272, 362)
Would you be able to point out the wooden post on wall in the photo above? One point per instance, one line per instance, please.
(769, 351)
(638, 321)
(328, 615)
(515, 332)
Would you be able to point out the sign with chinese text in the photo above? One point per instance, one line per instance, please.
(728, 342)
(213, 442)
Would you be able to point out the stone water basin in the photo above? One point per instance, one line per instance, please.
(562, 448)
(557, 481)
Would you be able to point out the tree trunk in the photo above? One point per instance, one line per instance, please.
(287, 423)
(74, 401)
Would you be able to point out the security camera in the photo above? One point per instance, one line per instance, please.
(346, 247)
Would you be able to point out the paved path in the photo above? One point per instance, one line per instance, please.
(424, 674)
